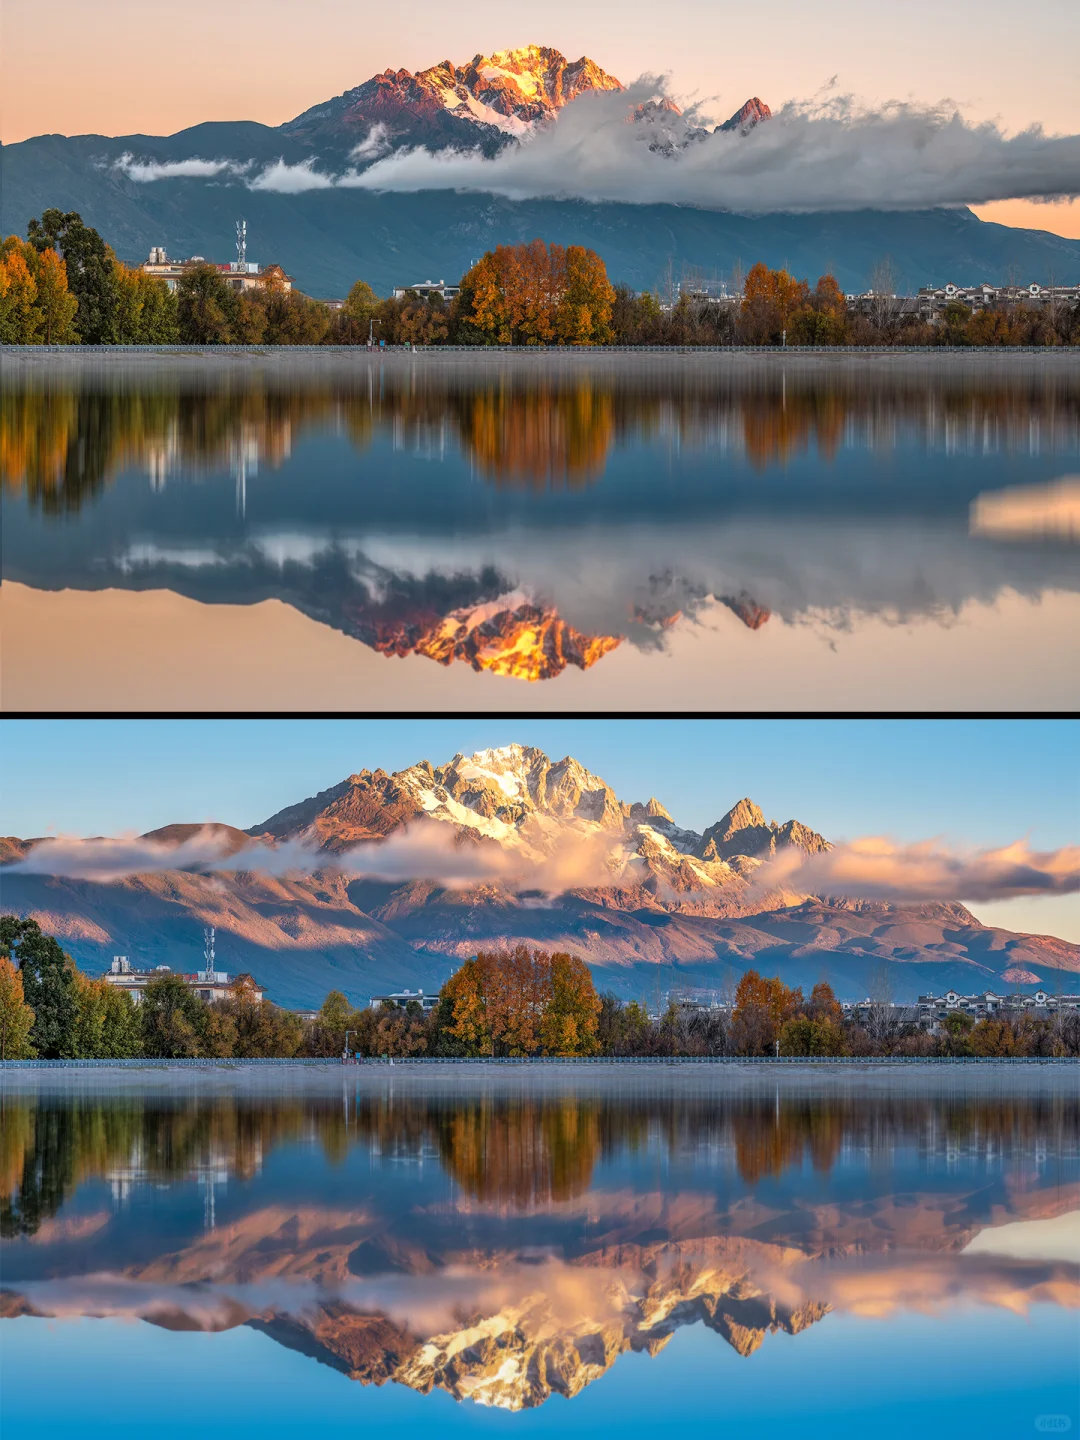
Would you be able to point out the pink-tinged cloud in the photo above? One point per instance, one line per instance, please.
(876, 868)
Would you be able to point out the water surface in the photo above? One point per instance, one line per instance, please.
(622, 1255)
(424, 531)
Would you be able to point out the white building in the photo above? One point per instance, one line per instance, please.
(403, 998)
(207, 984)
(426, 288)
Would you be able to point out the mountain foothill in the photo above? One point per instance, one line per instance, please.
(545, 853)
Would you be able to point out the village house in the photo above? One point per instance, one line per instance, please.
(426, 288)
(932, 301)
(207, 984)
(403, 998)
(238, 276)
(933, 1009)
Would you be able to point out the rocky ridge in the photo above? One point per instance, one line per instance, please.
(489, 101)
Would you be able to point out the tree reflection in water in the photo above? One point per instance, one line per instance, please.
(63, 441)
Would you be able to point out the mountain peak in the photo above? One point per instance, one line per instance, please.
(743, 816)
(497, 97)
(752, 113)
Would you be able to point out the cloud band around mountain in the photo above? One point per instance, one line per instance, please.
(876, 868)
(871, 868)
(831, 154)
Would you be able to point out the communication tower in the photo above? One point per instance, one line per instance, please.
(241, 244)
(208, 953)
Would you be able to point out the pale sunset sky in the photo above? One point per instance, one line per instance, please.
(124, 67)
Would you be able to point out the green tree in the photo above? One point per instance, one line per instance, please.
(956, 1030)
(335, 1017)
(174, 1019)
(204, 304)
(48, 980)
(16, 1017)
(89, 264)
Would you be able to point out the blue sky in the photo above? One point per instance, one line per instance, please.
(979, 782)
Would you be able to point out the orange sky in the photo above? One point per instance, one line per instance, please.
(121, 67)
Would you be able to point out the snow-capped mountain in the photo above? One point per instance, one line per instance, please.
(554, 857)
(489, 101)
(518, 799)
(492, 98)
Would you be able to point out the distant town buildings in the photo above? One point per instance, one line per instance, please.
(237, 275)
(934, 300)
(426, 288)
(933, 1009)
(403, 998)
(207, 984)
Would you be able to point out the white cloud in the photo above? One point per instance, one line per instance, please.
(821, 155)
(285, 179)
(375, 142)
(830, 153)
(143, 171)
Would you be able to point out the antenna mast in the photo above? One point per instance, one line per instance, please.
(208, 952)
(241, 244)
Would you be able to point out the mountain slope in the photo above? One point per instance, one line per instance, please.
(329, 237)
(646, 902)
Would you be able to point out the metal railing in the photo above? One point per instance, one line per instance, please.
(487, 351)
(155, 1062)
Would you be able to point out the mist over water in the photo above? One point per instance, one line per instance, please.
(532, 1242)
(544, 519)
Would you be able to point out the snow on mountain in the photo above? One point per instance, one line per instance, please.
(517, 798)
(499, 97)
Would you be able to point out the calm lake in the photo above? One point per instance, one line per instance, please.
(602, 1252)
(432, 531)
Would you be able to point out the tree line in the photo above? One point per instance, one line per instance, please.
(64, 285)
(516, 1002)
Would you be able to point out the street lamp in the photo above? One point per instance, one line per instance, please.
(345, 1055)
(371, 331)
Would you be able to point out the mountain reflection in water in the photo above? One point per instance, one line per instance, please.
(505, 1247)
(523, 517)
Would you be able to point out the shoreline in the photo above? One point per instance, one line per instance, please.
(32, 356)
(607, 1079)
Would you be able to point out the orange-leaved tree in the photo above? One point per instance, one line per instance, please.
(536, 294)
(522, 1002)
(761, 1008)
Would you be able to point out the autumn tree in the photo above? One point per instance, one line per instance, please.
(107, 1023)
(823, 318)
(536, 294)
(256, 1028)
(55, 302)
(16, 1017)
(146, 309)
(522, 1002)
(571, 1014)
(290, 318)
(761, 1008)
(20, 315)
(771, 298)
(48, 981)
